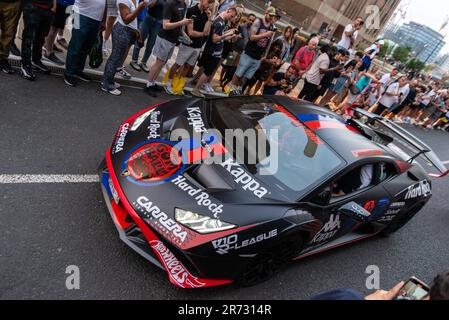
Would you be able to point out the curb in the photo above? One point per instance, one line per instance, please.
(98, 75)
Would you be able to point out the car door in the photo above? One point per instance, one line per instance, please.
(372, 196)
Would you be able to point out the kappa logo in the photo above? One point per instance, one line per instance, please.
(154, 213)
(196, 120)
(175, 268)
(202, 198)
(422, 189)
(329, 230)
(224, 245)
(155, 125)
(243, 178)
(120, 142)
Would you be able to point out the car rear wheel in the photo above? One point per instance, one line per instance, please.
(266, 264)
(402, 220)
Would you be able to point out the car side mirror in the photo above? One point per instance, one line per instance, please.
(355, 212)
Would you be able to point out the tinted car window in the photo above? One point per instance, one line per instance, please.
(302, 158)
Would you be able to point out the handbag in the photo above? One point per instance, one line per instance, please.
(96, 54)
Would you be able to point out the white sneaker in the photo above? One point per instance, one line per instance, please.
(114, 92)
(123, 73)
(204, 87)
(168, 88)
(209, 88)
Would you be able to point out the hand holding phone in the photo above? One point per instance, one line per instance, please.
(413, 289)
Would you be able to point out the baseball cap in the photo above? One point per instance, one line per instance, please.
(271, 11)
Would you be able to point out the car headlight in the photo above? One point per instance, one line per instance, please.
(199, 223)
(140, 119)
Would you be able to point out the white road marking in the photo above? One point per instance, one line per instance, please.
(446, 162)
(47, 178)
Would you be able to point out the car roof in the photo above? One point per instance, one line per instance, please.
(330, 127)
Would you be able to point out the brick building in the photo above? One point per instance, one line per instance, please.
(317, 15)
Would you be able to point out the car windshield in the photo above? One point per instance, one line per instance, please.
(294, 158)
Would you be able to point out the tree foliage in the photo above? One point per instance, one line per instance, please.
(402, 54)
(416, 65)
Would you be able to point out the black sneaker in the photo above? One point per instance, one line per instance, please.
(6, 67)
(151, 91)
(14, 50)
(83, 77)
(40, 66)
(159, 88)
(27, 72)
(70, 80)
(53, 58)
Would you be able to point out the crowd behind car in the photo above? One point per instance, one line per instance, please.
(220, 47)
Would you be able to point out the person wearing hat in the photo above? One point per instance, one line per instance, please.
(370, 54)
(261, 34)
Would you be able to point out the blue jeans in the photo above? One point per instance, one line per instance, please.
(81, 43)
(149, 29)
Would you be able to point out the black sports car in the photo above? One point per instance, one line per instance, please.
(189, 190)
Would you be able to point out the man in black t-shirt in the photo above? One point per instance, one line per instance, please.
(37, 18)
(261, 34)
(214, 47)
(280, 83)
(189, 51)
(173, 22)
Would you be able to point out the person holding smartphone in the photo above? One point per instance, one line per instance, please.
(172, 24)
(197, 31)
(412, 289)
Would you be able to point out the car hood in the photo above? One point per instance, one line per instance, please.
(142, 157)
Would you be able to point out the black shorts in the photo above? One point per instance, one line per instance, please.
(209, 64)
(398, 109)
(60, 17)
(381, 108)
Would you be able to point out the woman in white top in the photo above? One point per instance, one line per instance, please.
(124, 34)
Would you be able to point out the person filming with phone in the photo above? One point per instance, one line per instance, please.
(412, 289)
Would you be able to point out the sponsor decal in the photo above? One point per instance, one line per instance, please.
(397, 205)
(175, 269)
(390, 215)
(155, 125)
(366, 153)
(154, 162)
(113, 191)
(312, 136)
(224, 245)
(120, 139)
(243, 178)
(202, 198)
(155, 216)
(196, 120)
(369, 206)
(422, 189)
(329, 230)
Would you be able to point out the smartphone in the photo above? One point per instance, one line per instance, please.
(413, 289)
(193, 17)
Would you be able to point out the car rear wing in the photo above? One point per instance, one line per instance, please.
(409, 145)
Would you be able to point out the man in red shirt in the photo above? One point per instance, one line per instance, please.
(304, 57)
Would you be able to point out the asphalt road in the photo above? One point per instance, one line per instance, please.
(49, 128)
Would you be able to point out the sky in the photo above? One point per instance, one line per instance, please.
(431, 13)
